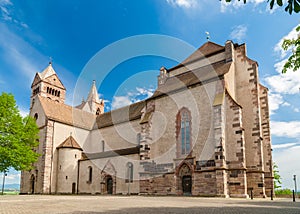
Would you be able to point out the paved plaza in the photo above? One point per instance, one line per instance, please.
(144, 205)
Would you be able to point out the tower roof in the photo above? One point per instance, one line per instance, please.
(47, 72)
(48, 75)
(70, 142)
(93, 95)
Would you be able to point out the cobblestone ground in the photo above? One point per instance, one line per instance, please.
(142, 205)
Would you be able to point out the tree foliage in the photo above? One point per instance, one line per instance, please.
(293, 61)
(18, 136)
(277, 177)
(290, 7)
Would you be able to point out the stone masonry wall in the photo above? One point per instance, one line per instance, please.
(267, 150)
(235, 149)
(47, 158)
(248, 97)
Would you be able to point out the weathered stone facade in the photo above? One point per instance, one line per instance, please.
(205, 131)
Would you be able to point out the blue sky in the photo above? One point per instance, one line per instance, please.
(72, 32)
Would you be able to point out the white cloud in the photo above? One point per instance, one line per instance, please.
(284, 145)
(291, 35)
(5, 12)
(5, 2)
(288, 83)
(186, 4)
(235, 4)
(145, 91)
(131, 97)
(13, 177)
(288, 129)
(120, 101)
(288, 160)
(275, 101)
(24, 112)
(15, 49)
(238, 33)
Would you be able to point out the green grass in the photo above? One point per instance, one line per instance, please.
(10, 193)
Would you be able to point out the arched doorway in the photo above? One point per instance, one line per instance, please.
(32, 184)
(185, 181)
(109, 185)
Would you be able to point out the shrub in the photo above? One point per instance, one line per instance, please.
(283, 192)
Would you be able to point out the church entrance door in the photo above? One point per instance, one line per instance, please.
(109, 183)
(187, 184)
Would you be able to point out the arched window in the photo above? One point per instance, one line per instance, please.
(36, 116)
(183, 132)
(50, 90)
(129, 172)
(98, 111)
(58, 94)
(90, 170)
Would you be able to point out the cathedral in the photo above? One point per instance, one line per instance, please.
(204, 132)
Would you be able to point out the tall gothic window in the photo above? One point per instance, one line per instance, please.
(183, 132)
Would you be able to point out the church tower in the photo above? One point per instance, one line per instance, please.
(47, 84)
(93, 104)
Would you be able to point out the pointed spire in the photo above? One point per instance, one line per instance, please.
(93, 95)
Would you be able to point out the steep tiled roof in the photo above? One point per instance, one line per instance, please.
(120, 115)
(205, 50)
(47, 72)
(66, 114)
(189, 78)
(70, 142)
(48, 75)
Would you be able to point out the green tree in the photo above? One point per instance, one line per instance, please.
(18, 136)
(277, 177)
(290, 7)
(293, 61)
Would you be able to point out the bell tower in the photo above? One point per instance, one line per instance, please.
(47, 84)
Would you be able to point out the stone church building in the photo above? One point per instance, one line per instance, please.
(205, 132)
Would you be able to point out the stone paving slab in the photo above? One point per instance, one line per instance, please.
(33, 204)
